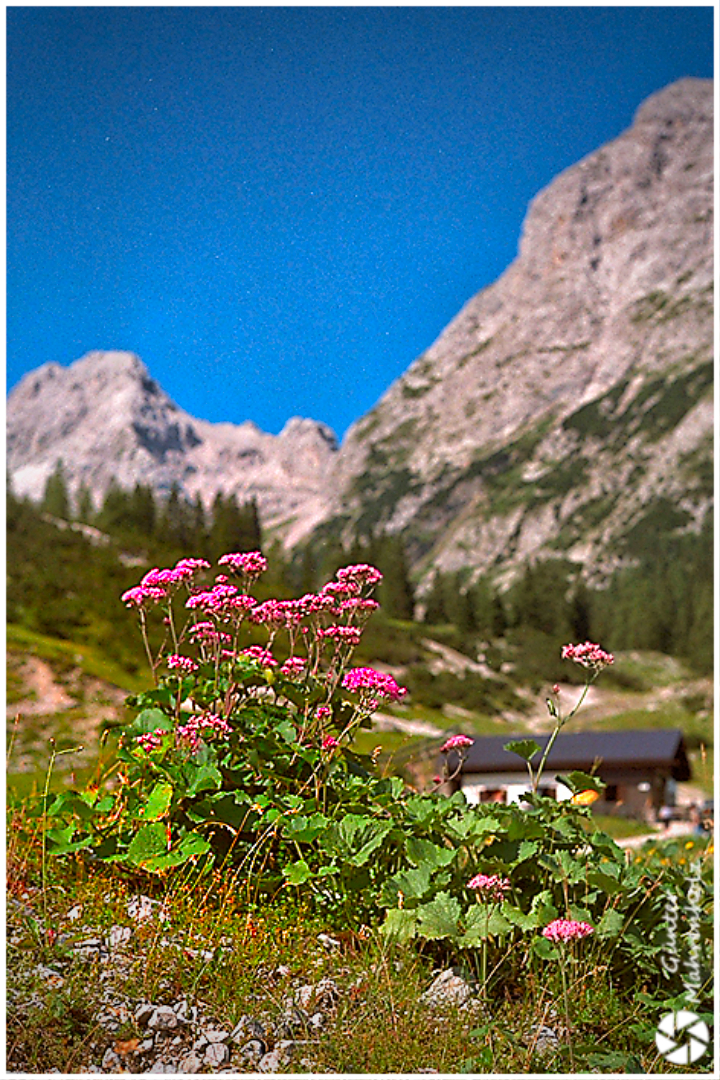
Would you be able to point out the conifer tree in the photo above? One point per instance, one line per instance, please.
(85, 507)
(55, 499)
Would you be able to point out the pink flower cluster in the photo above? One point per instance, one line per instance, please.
(278, 613)
(348, 635)
(181, 663)
(157, 584)
(491, 887)
(260, 655)
(250, 563)
(587, 655)
(456, 742)
(151, 740)
(294, 667)
(223, 600)
(382, 686)
(205, 631)
(329, 742)
(356, 605)
(567, 930)
(140, 595)
(359, 574)
(202, 726)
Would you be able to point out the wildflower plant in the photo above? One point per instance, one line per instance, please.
(562, 932)
(242, 752)
(241, 757)
(593, 659)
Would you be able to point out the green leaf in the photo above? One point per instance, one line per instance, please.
(158, 802)
(615, 1061)
(194, 844)
(413, 884)
(439, 918)
(580, 781)
(371, 845)
(206, 778)
(62, 843)
(191, 845)
(525, 921)
(524, 748)
(605, 882)
(481, 924)
(527, 849)
(543, 907)
(297, 873)
(572, 869)
(426, 854)
(149, 720)
(149, 842)
(304, 829)
(473, 826)
(70, 801)
(610, 925)
(399, 924)
(545, 949)
(356, 837)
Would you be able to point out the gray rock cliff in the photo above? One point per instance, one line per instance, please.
(105, 418)
(567, 410)
(573, 394)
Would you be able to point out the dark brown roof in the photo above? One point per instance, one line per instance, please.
(659, 748)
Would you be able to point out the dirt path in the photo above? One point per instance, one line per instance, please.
(44, 695)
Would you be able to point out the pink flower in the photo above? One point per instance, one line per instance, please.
(356, 605)
(489, 888)
(161, 579)
(567, 930)
(206, 631)
(360, 573)
(587, 655)
(205, 725)
(252, 563)
(182, 663)
(456, 742)
(214, 600)
(323, 711)
(222, 600)
(329, 742)
(384, 686)
(185, 568)
(278, 613)
(294, 667)
(140, 595)
(339, 589)
(262, 656)
(151, 740)
(349, 634)
(314, 603)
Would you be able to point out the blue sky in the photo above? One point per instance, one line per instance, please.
(279, 209)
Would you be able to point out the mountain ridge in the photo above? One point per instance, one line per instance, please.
(567, 403)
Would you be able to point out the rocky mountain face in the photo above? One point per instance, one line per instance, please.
(566, 410)
(105, 419)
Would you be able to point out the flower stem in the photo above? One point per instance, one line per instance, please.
(567, 1012)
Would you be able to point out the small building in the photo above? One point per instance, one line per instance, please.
(640, 769)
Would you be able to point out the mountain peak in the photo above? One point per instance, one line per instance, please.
(566, 400)
(107, 420)
(565, 411)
